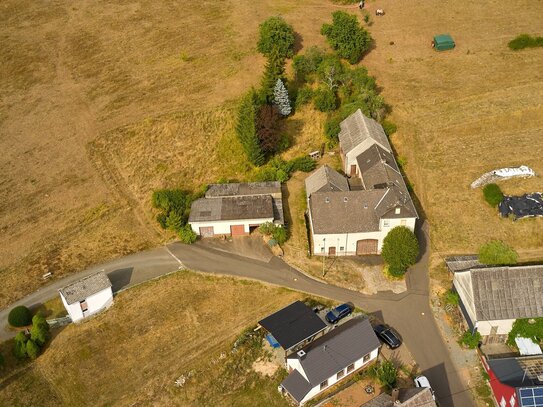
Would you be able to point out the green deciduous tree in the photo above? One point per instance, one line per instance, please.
(274, 70)
(306, 65)
(497, 253)
(386, 373)
(246, 128)
(268, 129)
(40, 330)
(281, 99)
(186, 234)
(276, 35)
(19, 349)
(493, 194)
(400, 250)
(346, 36)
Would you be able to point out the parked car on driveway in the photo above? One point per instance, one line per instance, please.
(422, 381)
(341, 311)
(388, 335)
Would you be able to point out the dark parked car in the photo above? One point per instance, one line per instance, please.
(388, 335)
(341, 311)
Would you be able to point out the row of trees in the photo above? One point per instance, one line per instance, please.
(30, 346)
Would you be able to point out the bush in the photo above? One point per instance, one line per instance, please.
(32, 349)
(20, 316)
(332, 129)
(386, 373)
(40, 330)
(276, 34)
(470, 340)
(325, 99)
(525, 41)
(452, 298)
(525, 329)
(389, 127)
(19, 349)
(305, 94)
(303, 163)
(187, 235)
(493, 194)
(346, 36)
(497, 253)
(278, 233)
(400, 250)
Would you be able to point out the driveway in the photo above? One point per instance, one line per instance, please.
(408, 312)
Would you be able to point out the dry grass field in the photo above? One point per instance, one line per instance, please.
(133, 353)
(464, 112)
(100, 102)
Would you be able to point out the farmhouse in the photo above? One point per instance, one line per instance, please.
(330, 359)
(492, 298)
(515, 381)
(87, 296)
(292, 326)
(236, 209)
(353, 216)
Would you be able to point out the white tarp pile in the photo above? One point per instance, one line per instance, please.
(503, 174)
(527, 346)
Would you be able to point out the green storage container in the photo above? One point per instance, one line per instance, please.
(443, 42)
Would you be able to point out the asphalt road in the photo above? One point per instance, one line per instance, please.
(408, 312)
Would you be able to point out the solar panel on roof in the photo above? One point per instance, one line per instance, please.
(531, 397)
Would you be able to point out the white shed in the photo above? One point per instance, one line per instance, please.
(87, 296)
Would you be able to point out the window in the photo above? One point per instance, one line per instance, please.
(397, 211)
(386, 223)
(366, 358)
(340, 374)
(84, 306)
(324, 384)
(341, 248)
(350, 368)
(403, 222)
(322, 249)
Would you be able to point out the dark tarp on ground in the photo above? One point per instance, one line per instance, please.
(524, 206)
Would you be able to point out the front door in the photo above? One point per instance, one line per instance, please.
(353, 170)
(207, 231)
(331, 251)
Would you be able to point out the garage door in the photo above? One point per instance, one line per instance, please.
(367, 246)
(237, 230)
(207, 231)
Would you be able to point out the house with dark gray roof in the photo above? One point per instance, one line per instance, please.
(492, 298)
(412, 397)
(236, 209)
(293, 325)
(330, 359)
(345, 220)
(87, 296)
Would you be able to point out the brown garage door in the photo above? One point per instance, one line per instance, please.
(207, 231)
(367, 246)
(237, 230)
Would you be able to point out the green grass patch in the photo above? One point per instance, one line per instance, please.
(493, 194)
(469, 340)
(525, 41)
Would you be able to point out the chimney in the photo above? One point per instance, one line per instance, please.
(395, 396)
(301, 354)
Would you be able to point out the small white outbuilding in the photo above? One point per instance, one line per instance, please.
(87, 296)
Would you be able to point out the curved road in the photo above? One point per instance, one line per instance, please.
(408, 312)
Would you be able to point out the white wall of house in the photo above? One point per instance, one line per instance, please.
(222, 227)
(463, 285)
(95, 303)
(345, 243)
(295, 364)
(504, 326)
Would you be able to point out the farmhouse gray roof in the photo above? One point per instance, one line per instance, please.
(84, 288)
(243, 189)
(358, 128)
(296, 385)
(325, 179)
(507, 292)
(412, 397)
(345, 212)
(337, 349)
(461, 263)
(232, 208)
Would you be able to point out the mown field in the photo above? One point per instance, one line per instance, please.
(103, 102)
(133, 353)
